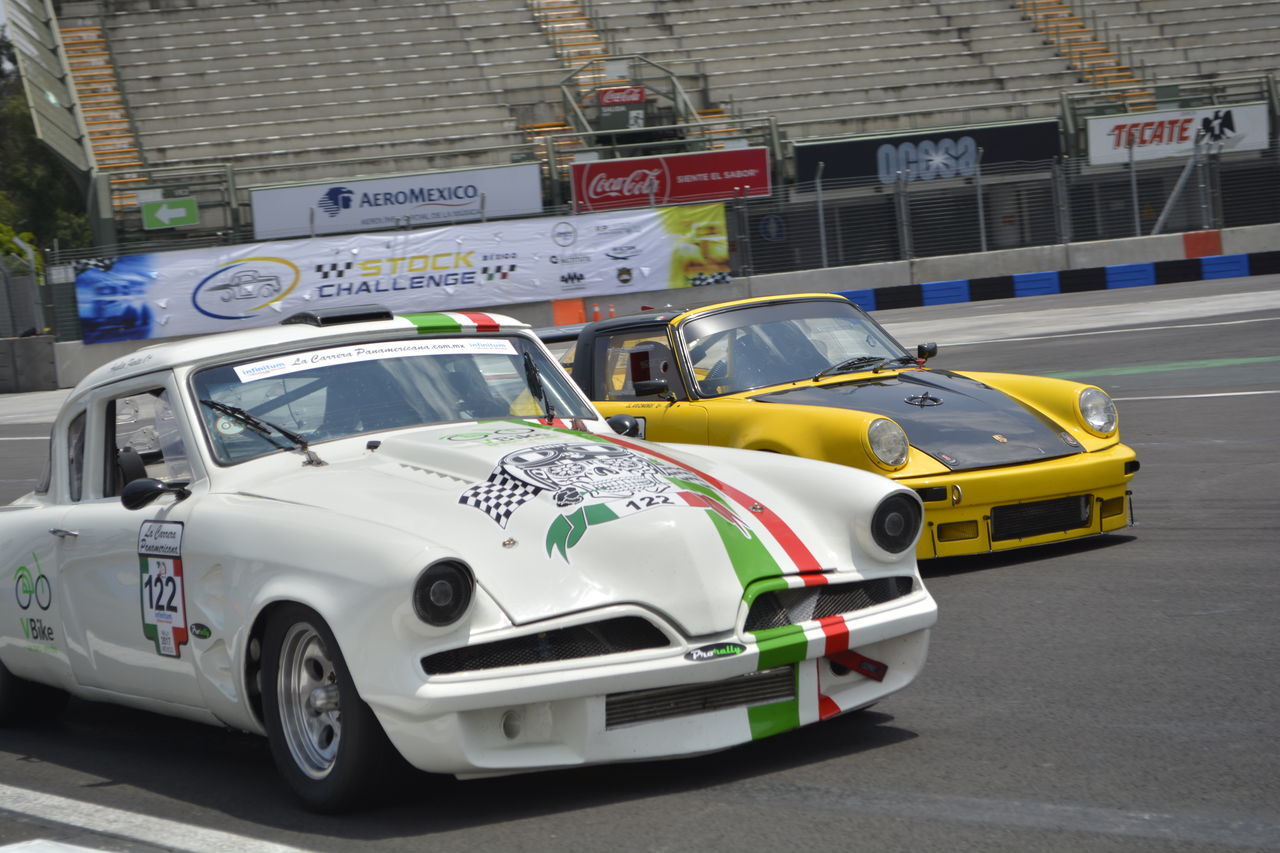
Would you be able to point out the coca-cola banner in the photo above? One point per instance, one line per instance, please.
(622, 108)
(675, 178)
(451, 268)
(1175, 133)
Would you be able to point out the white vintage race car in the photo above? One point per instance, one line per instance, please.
(367, 535)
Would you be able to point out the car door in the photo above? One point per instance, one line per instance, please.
(623, 361)
(121, 571)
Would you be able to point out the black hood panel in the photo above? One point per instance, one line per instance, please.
(962, 423)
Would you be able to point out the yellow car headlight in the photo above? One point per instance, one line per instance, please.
(888, 443)
(1097, 411)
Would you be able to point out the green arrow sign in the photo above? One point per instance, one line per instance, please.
(169, 213)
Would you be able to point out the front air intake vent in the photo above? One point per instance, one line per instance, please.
(660, 703)
(1018, 521)
(789, 606)
(610, 637)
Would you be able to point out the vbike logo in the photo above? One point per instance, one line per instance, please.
(713, 651)
(241, 289)
(33, 590)
(927, 159)
(336, 200)
(28, 589)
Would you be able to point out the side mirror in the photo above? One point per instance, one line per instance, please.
(624, 425)
(926, 351)
(139, 493)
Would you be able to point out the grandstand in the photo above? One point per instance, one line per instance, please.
(277, 91)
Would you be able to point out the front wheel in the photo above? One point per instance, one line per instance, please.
(325, 740)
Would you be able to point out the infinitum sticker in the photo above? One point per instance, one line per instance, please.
(164, 607)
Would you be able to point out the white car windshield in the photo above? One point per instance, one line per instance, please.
(270, 403)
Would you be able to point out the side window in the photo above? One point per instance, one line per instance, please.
(143, 440)
(625, 358)
(75, 456)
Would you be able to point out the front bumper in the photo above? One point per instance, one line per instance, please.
(976, 512)
(647, 705)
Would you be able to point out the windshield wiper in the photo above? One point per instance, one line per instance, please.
(851, 363)
(264, 428)
(875, 362)
(536, 387)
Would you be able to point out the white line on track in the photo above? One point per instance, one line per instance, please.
(167, 834)
(1113, 331)
(24, 438)
(1200, 396)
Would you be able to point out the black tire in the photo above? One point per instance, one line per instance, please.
(326, 742)
(24, 702)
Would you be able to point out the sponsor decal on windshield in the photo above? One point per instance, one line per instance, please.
(281, 365)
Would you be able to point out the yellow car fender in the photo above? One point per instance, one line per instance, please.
(1057, 398)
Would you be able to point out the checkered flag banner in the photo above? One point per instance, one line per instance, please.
(86, 264)
(500, 271)
(336, 269)
(499, 496)
(702, 279)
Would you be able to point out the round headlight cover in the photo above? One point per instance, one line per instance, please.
(888, 443)
(1098, 411)
(443, 593)
(896, 522)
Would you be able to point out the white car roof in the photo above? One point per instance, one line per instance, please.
(323, 326)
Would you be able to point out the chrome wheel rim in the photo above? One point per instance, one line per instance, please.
(309, 699)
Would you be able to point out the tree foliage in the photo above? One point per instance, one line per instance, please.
(40, 199)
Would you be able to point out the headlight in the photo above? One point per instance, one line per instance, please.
(443, 592)
(896, 522)
(1097, 411)
(888, 443)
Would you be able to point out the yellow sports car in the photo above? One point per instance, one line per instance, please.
(1001, 460)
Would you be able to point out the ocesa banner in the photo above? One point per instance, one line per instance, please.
(1175, 133)
(454, 268)
(344, 207)
(675, 178)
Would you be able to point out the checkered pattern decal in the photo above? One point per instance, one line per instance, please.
(499, 272)
(499, 496)
(334, 270)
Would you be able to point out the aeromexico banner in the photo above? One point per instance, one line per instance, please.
(1175, 133)
(343, 207)
(467, 266)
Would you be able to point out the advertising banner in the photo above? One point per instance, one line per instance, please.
(455, 268)
(622, 109)
(1174, 133)
(672, 179)
(928, 156)
(345, 207)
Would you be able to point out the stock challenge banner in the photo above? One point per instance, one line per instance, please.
(198, 291)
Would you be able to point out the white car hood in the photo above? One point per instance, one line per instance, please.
(554, 522)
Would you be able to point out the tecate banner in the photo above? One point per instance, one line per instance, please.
(345, 207)
(676, 178)
(454, 268)
(1174, 133)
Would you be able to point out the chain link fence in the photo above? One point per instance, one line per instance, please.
(1009, 206)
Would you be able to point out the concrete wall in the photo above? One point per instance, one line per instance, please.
(74, 359)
